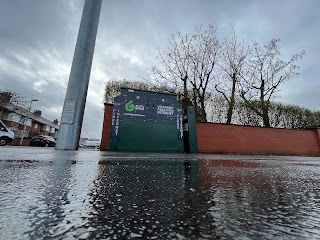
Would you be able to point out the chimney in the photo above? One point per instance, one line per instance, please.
(37, 112)
(56, 121)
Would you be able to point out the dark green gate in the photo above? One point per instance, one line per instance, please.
(144, 121)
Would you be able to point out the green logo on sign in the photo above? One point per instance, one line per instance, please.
(129, 106)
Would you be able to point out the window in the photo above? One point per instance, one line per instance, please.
(13, 117)
(53, 130)
(29, 122)
(36, 125)
(48, 128)
(23, 121)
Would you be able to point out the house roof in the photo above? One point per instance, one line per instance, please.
(24, 112)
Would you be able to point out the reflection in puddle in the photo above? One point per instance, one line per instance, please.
(260, 201)
(158, 198)
(146, 199)
(54, 196)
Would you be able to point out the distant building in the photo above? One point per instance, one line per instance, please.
(14, 117)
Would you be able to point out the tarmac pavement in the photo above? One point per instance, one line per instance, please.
(88, 194)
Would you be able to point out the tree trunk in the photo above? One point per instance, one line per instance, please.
(195, 104)
(202, 112)
(185, 101)
(264, 106)
(265, 114)
(231, 103)
(266, 120)
(185, 89)
(230, 111)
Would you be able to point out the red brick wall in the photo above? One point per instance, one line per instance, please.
(318, 135)
(106, 127)
(222, 138)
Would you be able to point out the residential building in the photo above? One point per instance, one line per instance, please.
(15, 117)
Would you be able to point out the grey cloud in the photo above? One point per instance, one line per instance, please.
(36, 79)
(299, 97)
(28, 23)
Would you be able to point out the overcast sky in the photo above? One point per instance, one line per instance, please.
(37, 40)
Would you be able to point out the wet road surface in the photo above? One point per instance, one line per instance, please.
(49, 194)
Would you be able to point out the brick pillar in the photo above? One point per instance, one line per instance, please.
(318, 136)
(105, 137)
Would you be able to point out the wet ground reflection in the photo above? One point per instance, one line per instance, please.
(68, 195)
(262, 199)
(140, 198)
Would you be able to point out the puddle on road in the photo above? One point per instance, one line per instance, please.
(158, 198)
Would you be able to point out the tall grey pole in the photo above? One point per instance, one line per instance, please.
(75, 100)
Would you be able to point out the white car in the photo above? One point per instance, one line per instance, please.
(92, 143)
(6, 135)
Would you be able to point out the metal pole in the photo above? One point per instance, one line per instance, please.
(25, 120)
(75, 99)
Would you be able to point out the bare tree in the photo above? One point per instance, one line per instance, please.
(203, 55)
(189, 64)
(234, 55)
(174, 66)
(8, 97)
(264, 74)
